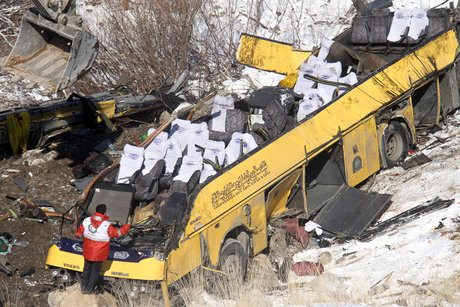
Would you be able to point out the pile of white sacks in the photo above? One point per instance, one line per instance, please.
(191, 142)
(317, 66)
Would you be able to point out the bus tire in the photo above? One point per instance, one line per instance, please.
(233, 260)
(395, 144)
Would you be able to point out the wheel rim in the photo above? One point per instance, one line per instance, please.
(393, 147)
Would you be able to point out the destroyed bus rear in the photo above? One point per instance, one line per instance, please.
(278, 166)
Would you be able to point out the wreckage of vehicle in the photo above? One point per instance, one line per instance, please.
(32, 126)
(201, 193)
(52, 48)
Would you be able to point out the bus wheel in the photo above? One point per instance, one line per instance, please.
(233, 260)
(395, 144)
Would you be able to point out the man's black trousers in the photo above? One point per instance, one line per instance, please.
(90, 275)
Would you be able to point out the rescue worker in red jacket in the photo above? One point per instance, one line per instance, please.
(96, 231)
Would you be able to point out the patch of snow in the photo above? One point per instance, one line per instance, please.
(439, 178)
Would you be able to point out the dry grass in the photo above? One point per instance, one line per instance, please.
(262, 289)
(144, 42)
(132, 293)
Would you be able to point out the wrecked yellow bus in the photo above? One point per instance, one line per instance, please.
(311, 165)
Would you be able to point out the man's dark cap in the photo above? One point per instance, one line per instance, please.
(102, 208)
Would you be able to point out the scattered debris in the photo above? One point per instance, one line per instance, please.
(30, 283)
(27, 271)
(293, 228)
(82, 183)
(73, 297)
(404, 217)
(5, 244)
(6, 267)
(416, 160)
(21, 183)
(19, 243)
(92, 165)
(307, 268)
(31, 211)
(310, 226)
(325, 258)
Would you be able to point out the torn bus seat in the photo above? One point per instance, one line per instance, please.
(275, 118)
(329, 72)
(418, 23)
(259, 134)
(155, 151)
(309, 104)
(208, 171)
(147, 184)
(324, 50)
(186, 187)
(262, 97)
(159, 144)
(380, 26)
(350, 79)
(131, 161)
(371, 27)
(438, 21)
(220, 136)
(150, 160)
(302, 84)
(166, 179)
(189, 165)
(213, 150)
(240, 144)
(198, 137)
(215, 153)
(173, 210)
(399, 24)
(117, 197)
(236, 120)
(219, 112)
(180, 131)
(173, 152)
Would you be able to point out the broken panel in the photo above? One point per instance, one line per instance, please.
(117, 197)
(351, 211)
